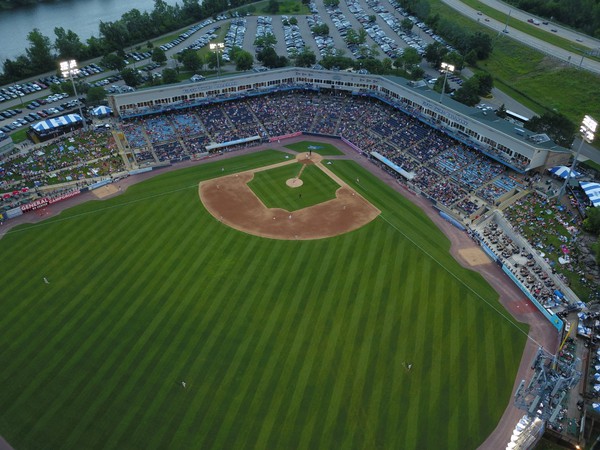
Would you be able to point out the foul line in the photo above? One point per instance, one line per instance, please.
(507, 318)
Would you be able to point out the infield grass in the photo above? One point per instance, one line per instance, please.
(282, 344)
(270, 187)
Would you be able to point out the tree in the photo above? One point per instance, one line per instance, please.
(435, 53)
(267, 40)
(293, 21)
(320, 29)
(39, 52)
(486, 83)
(406, 25)
(555, 125)
(17, 69)
(351, 37)
(115, 35)
(372, 18)
(211, 60)
(191, 60)
(95, 95)
(416, 73)
(113, 61)
(592, 221)
(169, 76)
(501, 112)
(131, 77)
(306, 58)
(243, 60)
(409, 59)
(273, 7)
(67, 44)
(331, 3)
(270, 59)
(481, 43)
(468, 94)
(362, 36)
(159, 56)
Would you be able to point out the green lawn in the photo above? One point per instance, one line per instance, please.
(538, 81)
(270, 187)
(282, 344)
(321, 148)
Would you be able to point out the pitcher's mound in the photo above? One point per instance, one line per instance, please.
(294, 182)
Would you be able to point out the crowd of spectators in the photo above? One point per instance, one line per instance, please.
(446, 170)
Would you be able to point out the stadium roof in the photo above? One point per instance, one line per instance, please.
(488, 117)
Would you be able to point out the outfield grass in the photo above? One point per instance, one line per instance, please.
(282, 344)
(270, 187)
(321, 148)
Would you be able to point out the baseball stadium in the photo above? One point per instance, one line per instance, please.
(277, 260)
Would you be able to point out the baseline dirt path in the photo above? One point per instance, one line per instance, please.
(541, 332)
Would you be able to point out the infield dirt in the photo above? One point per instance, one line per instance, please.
(230, 200)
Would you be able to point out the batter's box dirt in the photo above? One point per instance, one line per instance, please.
(231, 201)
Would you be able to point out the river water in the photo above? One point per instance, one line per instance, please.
(81, 16)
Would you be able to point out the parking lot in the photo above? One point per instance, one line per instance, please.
(383, 34)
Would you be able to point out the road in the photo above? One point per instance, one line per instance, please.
(570, 57)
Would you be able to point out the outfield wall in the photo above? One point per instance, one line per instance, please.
(552, 317)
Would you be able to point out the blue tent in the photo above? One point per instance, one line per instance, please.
(56, 122)
(592, 190)
(596, 407)
(563, 171)
(101, 111)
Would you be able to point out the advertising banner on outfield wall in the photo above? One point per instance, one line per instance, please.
(36, 204)
(285, 136)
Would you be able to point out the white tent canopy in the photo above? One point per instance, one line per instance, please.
(101, 111)
(57, 122)
(563, 171)
(592, 190)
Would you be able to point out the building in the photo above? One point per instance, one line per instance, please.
(499, 139)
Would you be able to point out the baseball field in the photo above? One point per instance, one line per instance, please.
(160, 326)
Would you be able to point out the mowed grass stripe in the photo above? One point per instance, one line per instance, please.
(259, 374)
(383, 366)
(318, 312)
(238, 374)
(40, 423)
(117, 379)
(305, 336)
(349, 345)
(291, 414)
(365, 430)
(174, 381)
(199, 368)
(216, 349)
(322, 275)
(165, 337)
(311, 384)
(145, 305)
(80, 311)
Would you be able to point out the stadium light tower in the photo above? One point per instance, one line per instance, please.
(68, 69)
(587, 130)
(445, 67)
(217, 47)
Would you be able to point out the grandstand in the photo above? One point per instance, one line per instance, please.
(496, 138)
